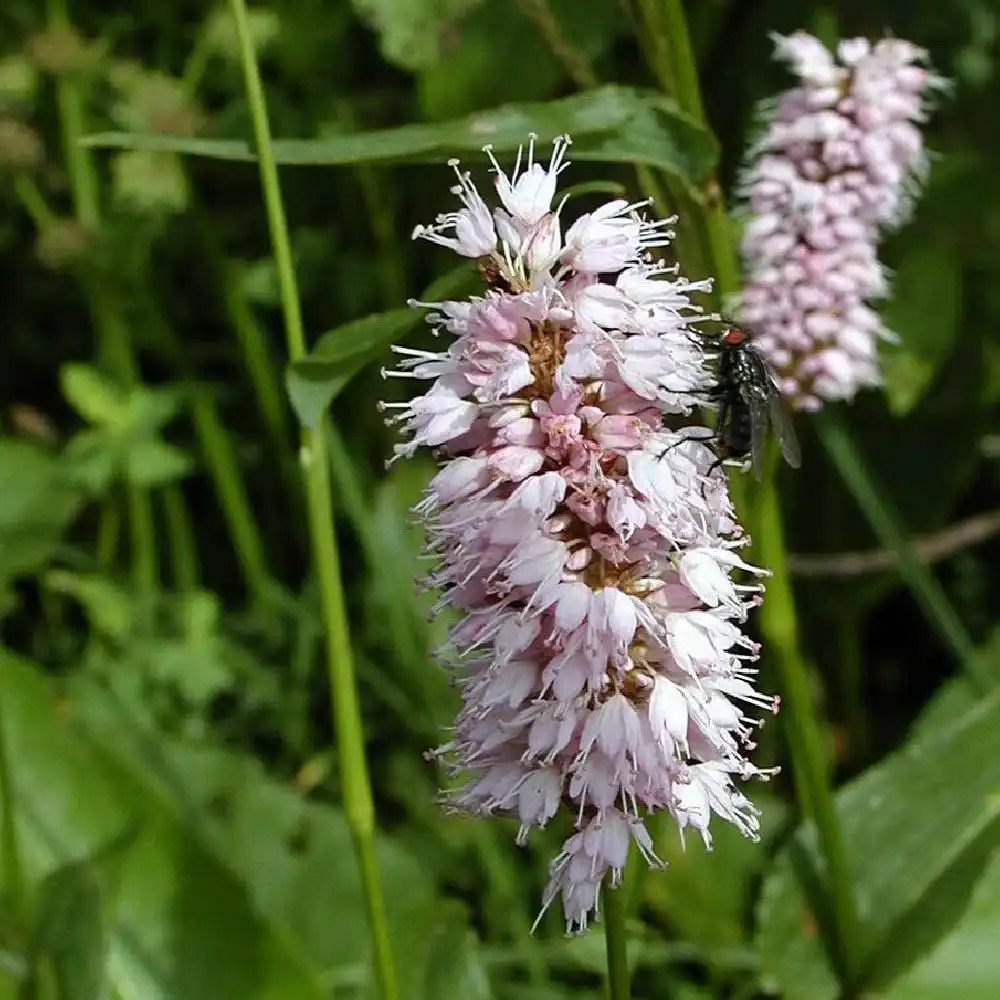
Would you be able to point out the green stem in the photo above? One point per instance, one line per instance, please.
(800, 721)
(886, 524)
(13, 872)
(614, 905)
(358, 803)
(678, 74)
(223, 468)
(182, 545)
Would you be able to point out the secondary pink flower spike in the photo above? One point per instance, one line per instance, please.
(840, 162)
(590, 550)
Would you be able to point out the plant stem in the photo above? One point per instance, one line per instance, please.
(678, 74)
(800, 722)
(885, 523)
(358, 803)
(13, 872)
(615, 941)
(224, 469)
(183, 550)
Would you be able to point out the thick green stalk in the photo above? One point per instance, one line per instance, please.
(357, 794)
(614, 906)
(886, 524)
(800, 721)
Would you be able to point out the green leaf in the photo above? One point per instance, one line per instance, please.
(412, 33)
(70, 935)
(107, 606)
(918, 829)
(495, 43)
(455, 967)
(155, 463)
(294, 856)
(610, 125)
(91, 458)
(97, 399)
(314, 381)
(924, 311)
(966, 964)
(184, 927)
(36, 505)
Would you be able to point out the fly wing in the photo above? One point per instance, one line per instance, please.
(760, 418)
(784, 430)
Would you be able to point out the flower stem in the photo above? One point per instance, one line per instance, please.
(614, 938)
(885, 523)
(800, 721)
(13, 872)
(357, 794)
(678, 74)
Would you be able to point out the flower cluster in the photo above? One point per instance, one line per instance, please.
(590, 549)
(838, 164)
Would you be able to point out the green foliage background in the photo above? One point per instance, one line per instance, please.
(171, 801)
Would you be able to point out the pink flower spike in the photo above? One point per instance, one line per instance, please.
(588, 551)
(839, 163)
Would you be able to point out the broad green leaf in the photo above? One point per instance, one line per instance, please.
(412, 33)
(966, 964)
(37, 504)
(184, 927)
(610, 125)
(918, 829)
(294, 856)
(924, 312)
(97, 399)
(316, 380)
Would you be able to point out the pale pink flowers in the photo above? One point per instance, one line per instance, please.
(837, 165)
(590, 550)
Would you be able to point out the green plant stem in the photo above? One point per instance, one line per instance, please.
(677, 72)
(358, 803)
(13, 872)
(183, 551)
(800, 721)
(614, 905)
(885, 523)
(111, 330)
(224, 469)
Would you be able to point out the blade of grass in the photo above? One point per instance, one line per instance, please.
(358, 804)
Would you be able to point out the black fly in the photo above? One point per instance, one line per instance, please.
(749, 403)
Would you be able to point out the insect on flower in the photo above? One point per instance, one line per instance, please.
(750, 403)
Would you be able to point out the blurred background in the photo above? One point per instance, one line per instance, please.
(172, 811)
